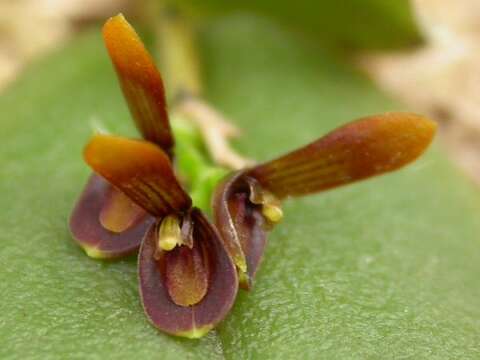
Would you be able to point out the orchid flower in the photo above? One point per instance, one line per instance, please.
(105, 222)
(187, 280)
(248, 203)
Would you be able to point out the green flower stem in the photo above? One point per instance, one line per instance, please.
(175, 42)
(193, 165)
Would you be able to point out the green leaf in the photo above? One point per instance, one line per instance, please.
(346, 24)
(383, 269)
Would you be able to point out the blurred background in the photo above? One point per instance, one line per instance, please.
(425, 54)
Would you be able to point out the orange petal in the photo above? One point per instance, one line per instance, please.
(358, 150)
(141, 170)
(140, 81)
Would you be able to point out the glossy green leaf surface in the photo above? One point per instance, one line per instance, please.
(383, 269)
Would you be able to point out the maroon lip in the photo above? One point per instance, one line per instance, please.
(189, 321)
(89, 232)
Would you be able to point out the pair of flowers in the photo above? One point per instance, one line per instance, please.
(190, 269)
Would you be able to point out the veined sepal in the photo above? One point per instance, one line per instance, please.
(358, 150)
(140, 81)
(141, 170)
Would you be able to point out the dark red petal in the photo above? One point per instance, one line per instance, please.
(241, 225)
(358, 150)
(188, 321)
(93, 237)
(139, 169)
(140, 81)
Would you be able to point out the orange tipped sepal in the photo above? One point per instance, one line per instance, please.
(141, 170)
(140, 81)
(361, 149)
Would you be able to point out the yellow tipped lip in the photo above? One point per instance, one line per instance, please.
(195, 333)
(94, 252)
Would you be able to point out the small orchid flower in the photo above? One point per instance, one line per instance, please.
(187, 280)
(105, 222)
(248, 203)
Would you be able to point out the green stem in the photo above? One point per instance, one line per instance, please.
(193, 166)
(175, 43)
